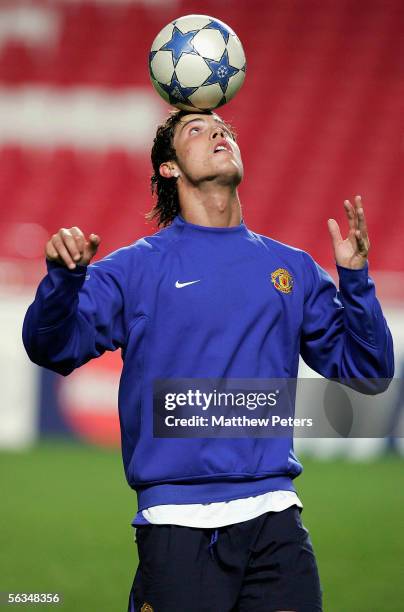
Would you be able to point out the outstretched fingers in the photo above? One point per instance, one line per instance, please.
(334, 230)
(351, 215)
(362, 227)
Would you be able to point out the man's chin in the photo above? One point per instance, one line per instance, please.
(230, 178)
(230, 174)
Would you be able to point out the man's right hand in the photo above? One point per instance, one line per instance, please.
(70, 247)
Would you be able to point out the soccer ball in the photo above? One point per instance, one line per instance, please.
(197, 63)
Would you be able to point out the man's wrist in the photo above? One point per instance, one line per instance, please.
(55, 265)
(353, 280)
(344, 269)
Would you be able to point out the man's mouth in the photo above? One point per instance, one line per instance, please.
(222, 145)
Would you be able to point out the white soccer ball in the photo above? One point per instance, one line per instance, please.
(197, 63)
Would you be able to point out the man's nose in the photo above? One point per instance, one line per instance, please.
(217, 132)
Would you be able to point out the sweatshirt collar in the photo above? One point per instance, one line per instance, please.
(181, 222)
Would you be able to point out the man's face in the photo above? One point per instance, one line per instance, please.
(206, 150)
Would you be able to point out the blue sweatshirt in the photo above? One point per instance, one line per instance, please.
(257, 304)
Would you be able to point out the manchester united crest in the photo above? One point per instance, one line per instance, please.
(282, 280)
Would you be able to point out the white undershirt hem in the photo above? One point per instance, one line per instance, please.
(219, 514)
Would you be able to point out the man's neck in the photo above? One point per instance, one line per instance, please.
(211, 208)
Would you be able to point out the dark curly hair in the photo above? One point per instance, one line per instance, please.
(167, 205)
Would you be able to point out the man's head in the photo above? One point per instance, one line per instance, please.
(191, 149)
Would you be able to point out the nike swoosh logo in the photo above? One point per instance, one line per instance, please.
(180, 285)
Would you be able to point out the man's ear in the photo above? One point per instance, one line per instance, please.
(169, 170)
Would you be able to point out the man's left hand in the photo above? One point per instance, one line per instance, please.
(353, 251)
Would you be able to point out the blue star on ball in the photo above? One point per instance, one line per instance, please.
(216, 25)
(177, 92)
(221, 71)
(180, 43)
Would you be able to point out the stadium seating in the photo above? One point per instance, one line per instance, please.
(318, 121)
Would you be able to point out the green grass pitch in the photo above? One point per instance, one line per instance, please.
(65, 527)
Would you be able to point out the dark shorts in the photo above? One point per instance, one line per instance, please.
(265, 564)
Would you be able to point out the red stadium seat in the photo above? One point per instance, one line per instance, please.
(317, 120)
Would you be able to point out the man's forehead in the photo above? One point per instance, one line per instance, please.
(199, 117)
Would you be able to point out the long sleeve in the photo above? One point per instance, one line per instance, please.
(77, 314)
(344, 333)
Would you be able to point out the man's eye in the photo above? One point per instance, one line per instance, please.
(194, 129)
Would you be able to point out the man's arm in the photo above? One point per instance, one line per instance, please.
(78, 311)
(344, 334)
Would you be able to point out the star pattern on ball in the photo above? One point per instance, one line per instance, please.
(177, 92)
(180, 43)
(221, 71)
(216, 25)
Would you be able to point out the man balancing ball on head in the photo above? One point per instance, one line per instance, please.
(219, 523)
